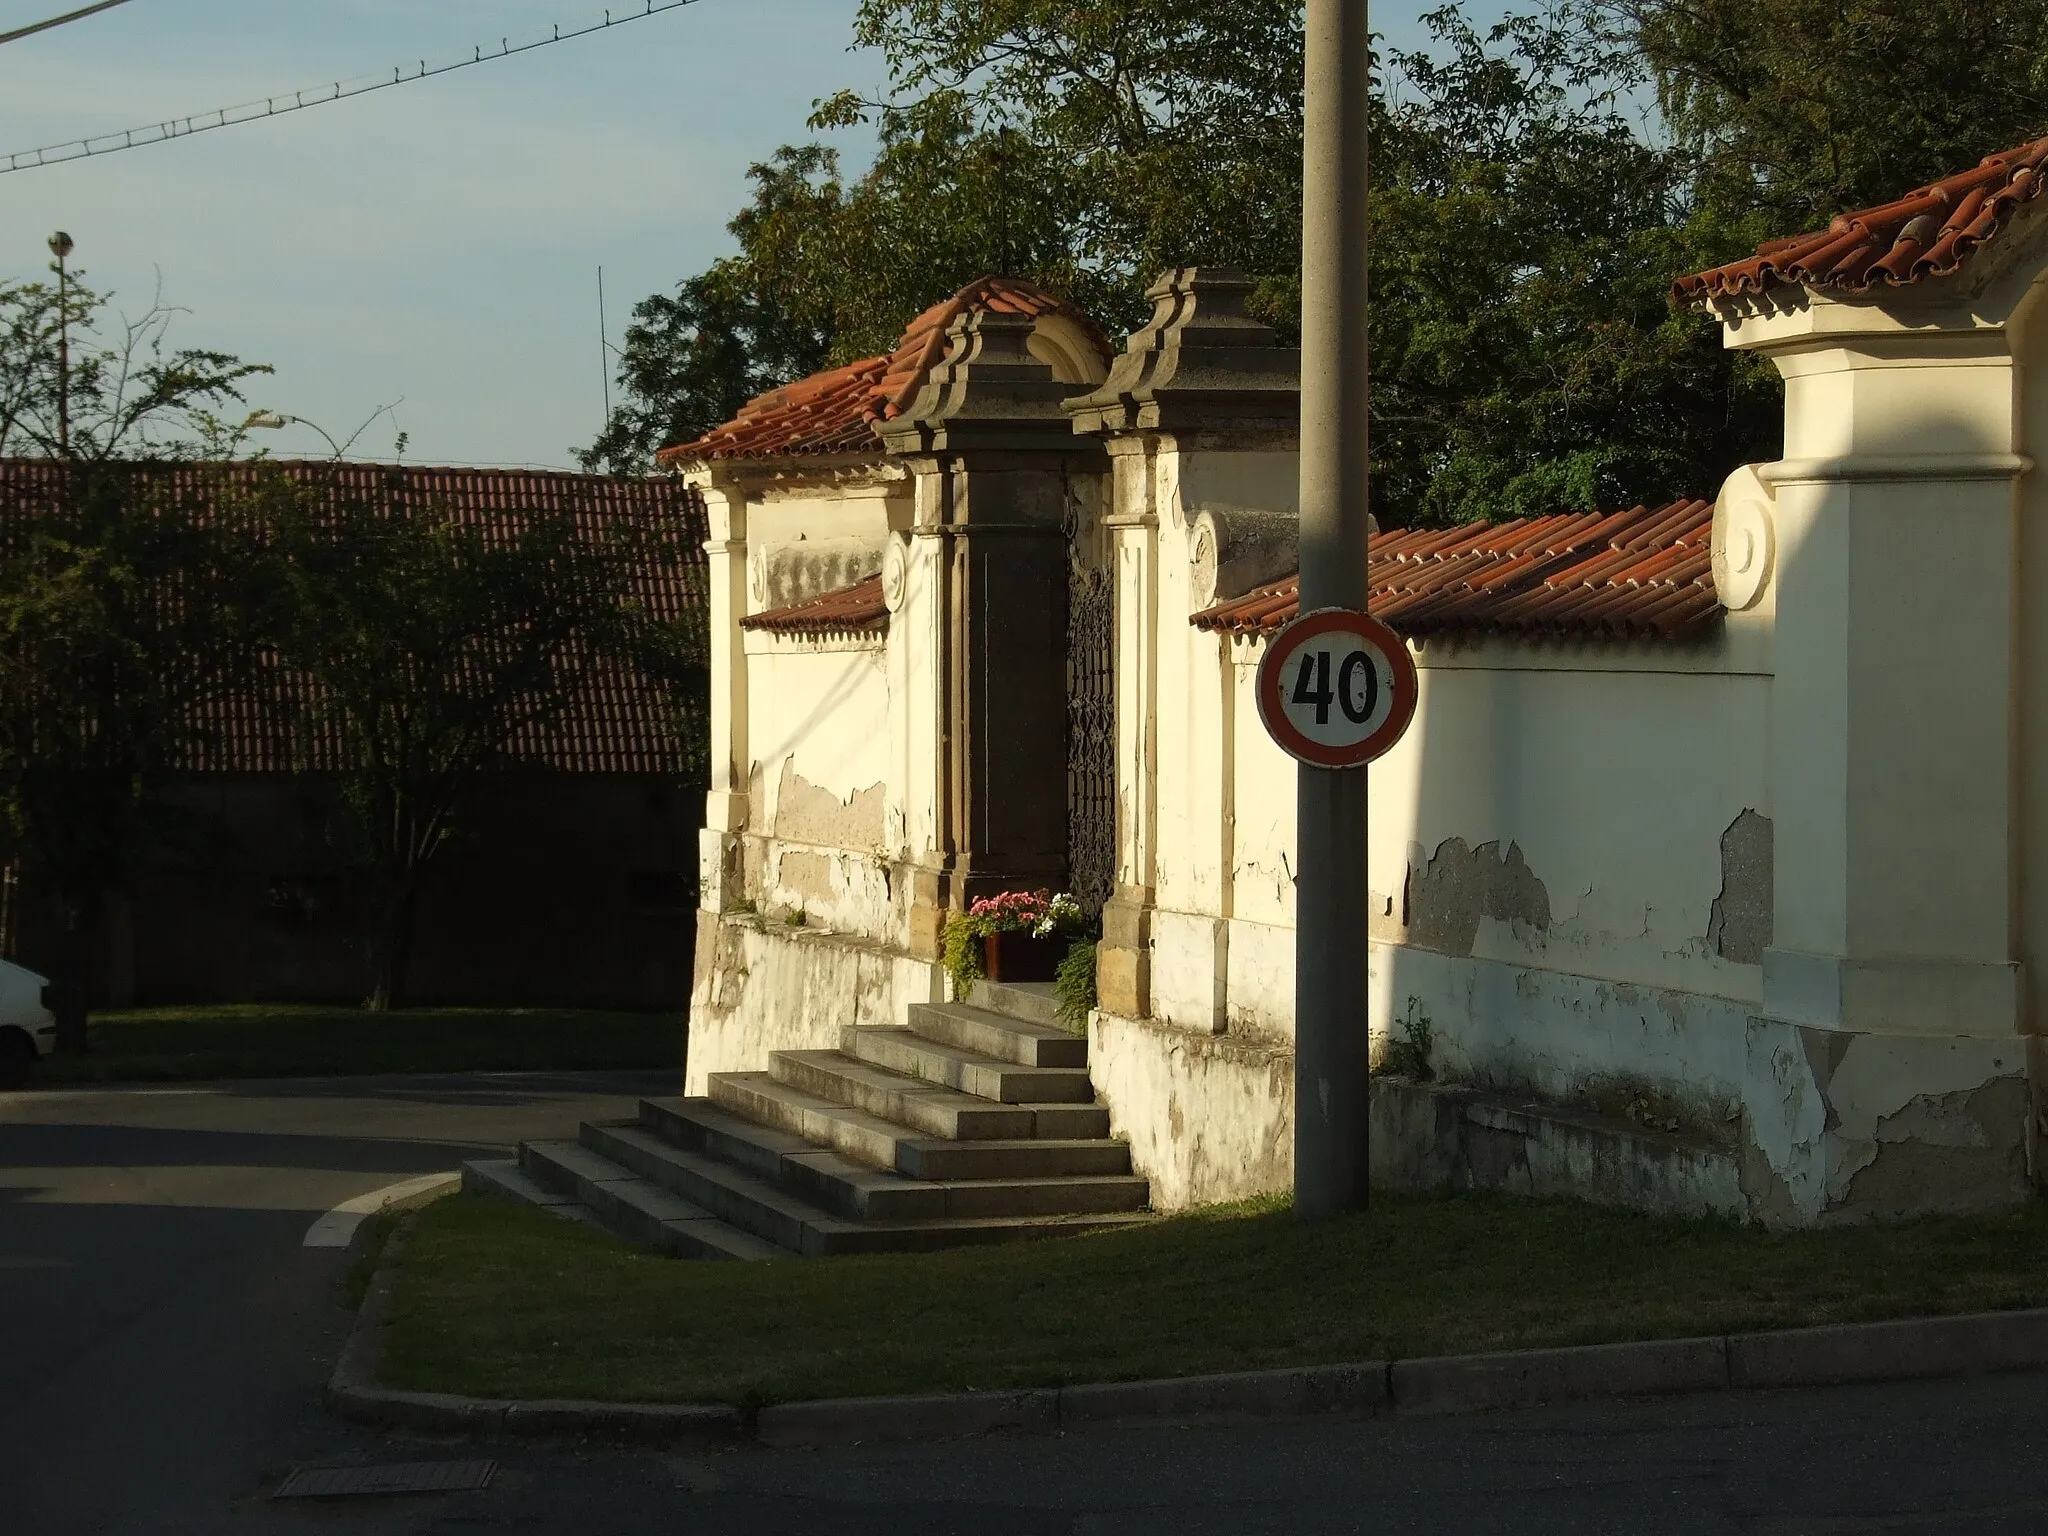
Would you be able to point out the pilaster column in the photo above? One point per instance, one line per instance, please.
(1200, 411)
(1123, 966)
(1893, 714)
(720, 877)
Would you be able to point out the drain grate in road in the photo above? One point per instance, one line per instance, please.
(400, 1477)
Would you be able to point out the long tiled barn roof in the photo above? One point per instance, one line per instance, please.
(836, 411)
(1644, 573)
(1929, 232)
(613, 724)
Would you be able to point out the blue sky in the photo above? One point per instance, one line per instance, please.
(439, 241)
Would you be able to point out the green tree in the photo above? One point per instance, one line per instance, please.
(1525, 235)
(120, 602)
(692, 359)
(433, 645)
(1797, 109)
(131, 394)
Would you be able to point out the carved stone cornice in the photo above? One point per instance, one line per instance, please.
(1200, 365)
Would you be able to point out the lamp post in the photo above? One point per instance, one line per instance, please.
(277, 419)
(1331, 1091)
(61, 246)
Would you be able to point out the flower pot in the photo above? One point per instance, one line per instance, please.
(1021, 956)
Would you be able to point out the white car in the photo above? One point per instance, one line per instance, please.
(27, 1028)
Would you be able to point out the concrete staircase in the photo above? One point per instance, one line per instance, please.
(976, 1124)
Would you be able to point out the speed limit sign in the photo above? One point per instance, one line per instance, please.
(1336, 688)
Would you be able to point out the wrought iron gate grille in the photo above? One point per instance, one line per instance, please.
(1091, 712)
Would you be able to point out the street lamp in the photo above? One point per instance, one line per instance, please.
(277, 419)
(61, 246)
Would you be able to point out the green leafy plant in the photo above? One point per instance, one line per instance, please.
(796, 917)
(1074, 984)
(1408, 1055)
(1039, 913)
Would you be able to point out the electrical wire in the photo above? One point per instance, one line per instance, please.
(57, 21)
(297, 101)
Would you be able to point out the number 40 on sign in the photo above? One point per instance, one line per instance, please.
(1336, 688)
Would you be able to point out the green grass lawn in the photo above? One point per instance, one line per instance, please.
(499, 1300)
(266, 1040)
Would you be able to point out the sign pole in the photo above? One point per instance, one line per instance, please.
(1331, 1094)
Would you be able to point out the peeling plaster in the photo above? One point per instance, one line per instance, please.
(1744, 914)
(1447, 897)
(808, 813)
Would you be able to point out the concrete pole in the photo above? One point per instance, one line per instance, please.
(1330, 1061)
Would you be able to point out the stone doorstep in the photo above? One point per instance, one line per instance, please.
(853, 1191)
(930, 1107)
(892, 1147)
(991, 1034)
(1033, 1002)
(969, 1071)
(1802, 1357)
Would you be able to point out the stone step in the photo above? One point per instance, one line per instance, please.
(868, 1139)
(755, 1205)
(635, 1208)
(855, 1192)
(928, 1107)
(503, 1178)
(1032, 1002)
(969, 1071)
(991, 1034)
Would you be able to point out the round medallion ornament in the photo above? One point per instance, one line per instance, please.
(896, 572)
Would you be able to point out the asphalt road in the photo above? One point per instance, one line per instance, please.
(163, 1336)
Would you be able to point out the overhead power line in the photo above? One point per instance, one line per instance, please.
(57, 21)
(298, 101)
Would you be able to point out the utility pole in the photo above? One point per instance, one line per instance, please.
(1331, 1092)
(61, 246)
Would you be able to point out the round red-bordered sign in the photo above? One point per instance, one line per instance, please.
(1336, 688)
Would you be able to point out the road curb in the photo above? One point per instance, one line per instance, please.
(1973, 1344)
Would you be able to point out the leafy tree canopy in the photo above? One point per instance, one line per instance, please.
(1527, 221)
(1797, 109)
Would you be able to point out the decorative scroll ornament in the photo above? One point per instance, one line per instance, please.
(896, 572)
(1745, 540)
(1202, 560)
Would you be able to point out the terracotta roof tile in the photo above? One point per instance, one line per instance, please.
(854, 610)
(1927, 233)
(1644, 573)
(835, 411)
(613, 723)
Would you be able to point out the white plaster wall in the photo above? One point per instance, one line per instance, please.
(1615, 785)
(818, 726)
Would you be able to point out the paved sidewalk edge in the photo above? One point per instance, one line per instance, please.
(1972, 1344)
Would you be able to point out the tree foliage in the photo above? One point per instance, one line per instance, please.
(692, 359)
(131, 394)
(433, 644)
(122, 623)
(1527, 222)
(121, 607)
(1798, 109)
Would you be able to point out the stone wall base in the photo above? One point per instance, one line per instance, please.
(763, 986)
(1831, 1126)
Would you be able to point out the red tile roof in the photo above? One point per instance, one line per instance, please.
(614, 723)
(1642, 573)
(855, 610)
(1926, 233)
(835, 411)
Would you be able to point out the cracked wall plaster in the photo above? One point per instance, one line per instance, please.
(1446, 898)
(1740, 925)
(808, 813)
